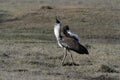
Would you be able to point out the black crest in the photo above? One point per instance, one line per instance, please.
(57, 21)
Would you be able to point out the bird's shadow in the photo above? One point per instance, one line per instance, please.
(70, 64)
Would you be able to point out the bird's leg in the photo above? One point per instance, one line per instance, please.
(64, 57)
(72, 58)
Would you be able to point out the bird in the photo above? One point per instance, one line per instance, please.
(67, 42)
(69, 33)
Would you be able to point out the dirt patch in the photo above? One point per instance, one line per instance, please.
(46, 7)
(103, 77)
(42, 64)
(106, 68)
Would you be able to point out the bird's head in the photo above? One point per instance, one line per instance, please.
(57, 20)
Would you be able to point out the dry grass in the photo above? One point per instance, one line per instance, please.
(88, 23)
(23, 61)
(28, 49)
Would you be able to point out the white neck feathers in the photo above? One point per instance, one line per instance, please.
(57, 31)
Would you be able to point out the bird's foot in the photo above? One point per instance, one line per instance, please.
(70, 64)
(75, 64)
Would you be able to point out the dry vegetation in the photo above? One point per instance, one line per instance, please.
(28, 49)
(40, 61)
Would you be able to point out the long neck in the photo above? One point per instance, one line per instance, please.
(57, 31)
(66, 33)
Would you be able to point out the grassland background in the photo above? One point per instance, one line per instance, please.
(28, 49)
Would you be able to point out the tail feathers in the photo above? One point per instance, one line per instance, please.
(81, 50)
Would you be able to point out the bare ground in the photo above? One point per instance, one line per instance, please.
(28, 49)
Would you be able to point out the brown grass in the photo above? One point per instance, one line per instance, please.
(29, 51)
(42, 61)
